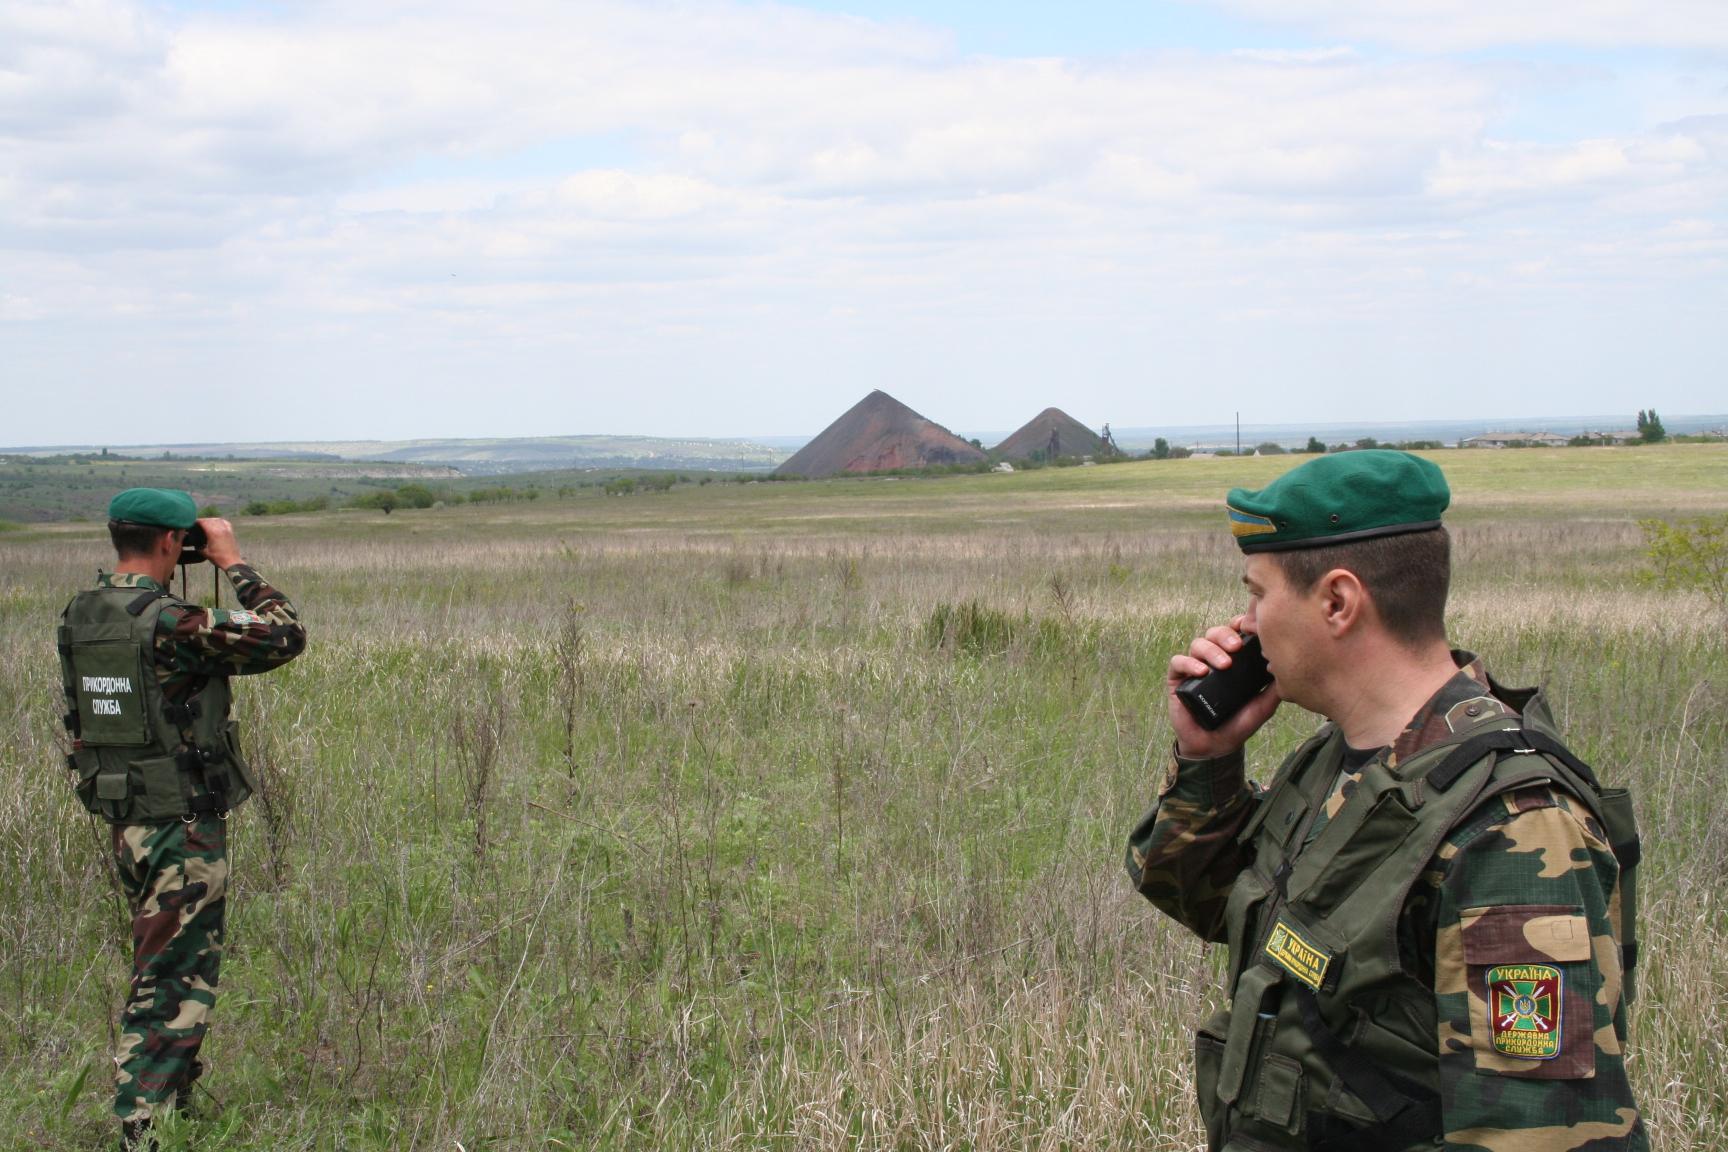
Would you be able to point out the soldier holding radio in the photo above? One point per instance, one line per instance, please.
(1430, 909)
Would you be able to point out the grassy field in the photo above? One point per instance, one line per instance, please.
(36, 489)
(78, 488)
(691, 820)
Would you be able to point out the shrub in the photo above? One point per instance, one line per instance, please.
(285, 507)
(1689, 554)
(500, 495)
(416, 496)
(384, 501)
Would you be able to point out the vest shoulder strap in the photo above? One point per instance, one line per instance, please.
(1515, 740)
(136, 606)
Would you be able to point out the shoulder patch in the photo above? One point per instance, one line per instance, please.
(244, 618)
(1524, 1007)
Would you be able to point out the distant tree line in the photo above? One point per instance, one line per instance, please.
(1649, 431)
(1162, 449)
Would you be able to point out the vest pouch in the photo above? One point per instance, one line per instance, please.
(1241, 911)
(1249, 1022)
(161, 793)
(1208, 1056)
(1278, 1099)
(1622, 828)
(102, 783)
(1325, 879)
(1277, 817)
(1390, 1031)
(113, 787)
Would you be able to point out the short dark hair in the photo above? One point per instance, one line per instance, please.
(134, 539)
(1407, 575)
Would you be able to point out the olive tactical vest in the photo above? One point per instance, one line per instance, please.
(136, 757)
(1328, 1042)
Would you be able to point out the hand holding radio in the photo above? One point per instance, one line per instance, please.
(1220, 692)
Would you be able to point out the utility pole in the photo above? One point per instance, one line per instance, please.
(1238, 433)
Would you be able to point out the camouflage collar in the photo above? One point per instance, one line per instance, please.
(127, 580)
(1469, 698)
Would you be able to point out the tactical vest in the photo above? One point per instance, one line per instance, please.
(137, 758)
(1328, 1042)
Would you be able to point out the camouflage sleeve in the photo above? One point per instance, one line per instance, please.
(1527, 984)
(1184, 855)
(263, 633)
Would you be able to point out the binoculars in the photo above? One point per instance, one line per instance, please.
(192, 547)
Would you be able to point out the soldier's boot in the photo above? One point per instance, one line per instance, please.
(135, 1136)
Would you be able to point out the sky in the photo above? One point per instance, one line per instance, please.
(227, 220)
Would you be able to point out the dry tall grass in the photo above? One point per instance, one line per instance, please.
(658, 835)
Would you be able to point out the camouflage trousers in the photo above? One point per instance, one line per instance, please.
(176, 881)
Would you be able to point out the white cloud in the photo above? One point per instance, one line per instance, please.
(1450, 25)
(684, 187)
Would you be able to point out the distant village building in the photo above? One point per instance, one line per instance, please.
(1626, 436)
(1514, 440)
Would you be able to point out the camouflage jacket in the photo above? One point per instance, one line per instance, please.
(1513, 856)
(195, 643)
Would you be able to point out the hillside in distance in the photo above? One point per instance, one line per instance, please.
(1049, 435)
(879, 434)
(471, 457)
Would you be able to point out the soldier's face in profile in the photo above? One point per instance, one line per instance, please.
(1289, 623)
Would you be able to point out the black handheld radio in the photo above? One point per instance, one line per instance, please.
(1215, 697)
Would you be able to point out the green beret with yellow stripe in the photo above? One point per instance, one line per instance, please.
(157, 507)
(1341, 497)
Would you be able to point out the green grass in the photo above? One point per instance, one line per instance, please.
(790, 815)
(68, 488)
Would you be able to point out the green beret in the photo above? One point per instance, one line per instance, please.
(1337, 498)
(157, 507)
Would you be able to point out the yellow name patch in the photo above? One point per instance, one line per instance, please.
(1297, 956)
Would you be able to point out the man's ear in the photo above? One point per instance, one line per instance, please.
(1344, 600)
